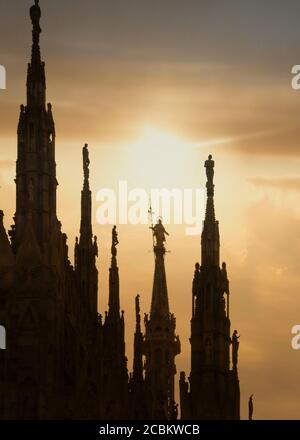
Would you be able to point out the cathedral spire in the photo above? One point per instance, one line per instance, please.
(86, 203)
(160, 301)
(86, 249)
(161, 345)
(138, 390)
(212, 391)
(210, 235)
(114, 294)
(138, 344)
(115, 393)
(36, 167)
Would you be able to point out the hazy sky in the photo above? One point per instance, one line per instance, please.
(208, 77)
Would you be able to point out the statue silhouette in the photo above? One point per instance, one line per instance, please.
(209, 165)
(35, 15)
(250, 407)
(86, 162)
(235, 348)
(114, 241)
(159, 233)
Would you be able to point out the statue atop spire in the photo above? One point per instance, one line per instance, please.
(137, 309)
(235, 348)
(86, 162)
(209, 165)
(159, 234)
(114, 241)
(250, 407)
(35, 15)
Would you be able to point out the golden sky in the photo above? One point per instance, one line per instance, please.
(214, 76)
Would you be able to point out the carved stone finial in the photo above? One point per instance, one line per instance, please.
(95, 244)
(35, 15)
(250, 407)
(159, 234)
(209, 165)
(196, 280)
(86, 162)
(235, 348)
(137, 309)
(114, 241)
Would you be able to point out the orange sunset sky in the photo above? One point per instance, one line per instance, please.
(154, 87)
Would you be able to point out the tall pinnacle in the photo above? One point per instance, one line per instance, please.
(138, 344)
(160, 301)
(114, 294)
(210, 235)
(36, 169)
(161, 345)
(86, 250)
(86, 202)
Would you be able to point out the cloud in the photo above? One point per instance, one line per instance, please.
(267, 308)
(289, 183)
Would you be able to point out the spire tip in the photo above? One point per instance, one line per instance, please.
(86, 162)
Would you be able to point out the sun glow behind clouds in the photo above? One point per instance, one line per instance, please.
(160, 158)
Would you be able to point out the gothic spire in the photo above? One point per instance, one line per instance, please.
(86, 203)
(138, 344)
(115, 392)
(36, 168)
(161, 345)
(114, 294)
(210, 235)
(86, 250)
(160, 301)
(206, 395)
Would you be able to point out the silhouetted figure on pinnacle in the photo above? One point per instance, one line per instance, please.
(114, 241)
(95, 245)
(86, 162)
(235, 348)
(35, 15)
(209, 165)
(196, 280)
(159, 233)
(250, 407)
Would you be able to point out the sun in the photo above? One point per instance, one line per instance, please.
(158, 157)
